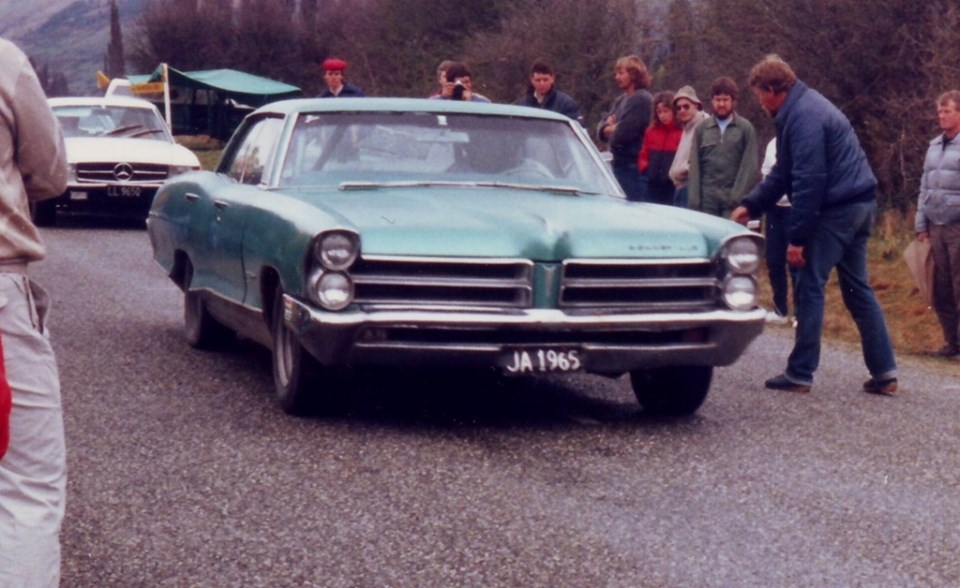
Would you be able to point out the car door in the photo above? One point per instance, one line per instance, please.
(218, 222)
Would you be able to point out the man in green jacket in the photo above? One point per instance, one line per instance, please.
(724, 160)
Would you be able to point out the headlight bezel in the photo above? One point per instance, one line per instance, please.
(328, 244)
(741, 254)
(322, 285)
(739, 292)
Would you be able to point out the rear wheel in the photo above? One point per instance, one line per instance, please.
(674, 390)
(202, 330)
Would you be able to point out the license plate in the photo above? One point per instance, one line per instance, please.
(541, 360)
(123, 191)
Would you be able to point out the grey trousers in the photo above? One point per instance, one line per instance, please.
(945, 244)
(33, 475)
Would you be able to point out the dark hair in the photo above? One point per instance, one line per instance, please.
(540, 66)
(458, 70)
(724, 86)
(665, 98)
(772, 73)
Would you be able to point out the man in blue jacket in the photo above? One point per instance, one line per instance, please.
(823, 169)
(337, 86)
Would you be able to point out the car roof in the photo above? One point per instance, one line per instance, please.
(100, 101)
(285, 107)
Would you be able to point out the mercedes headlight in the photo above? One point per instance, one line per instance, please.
(337, 250)
(741, 255)
(176, 170)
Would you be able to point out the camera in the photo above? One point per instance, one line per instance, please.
(458, 89)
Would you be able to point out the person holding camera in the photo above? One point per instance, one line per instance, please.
(458, 85)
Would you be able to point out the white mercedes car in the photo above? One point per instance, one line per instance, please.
(120, 151)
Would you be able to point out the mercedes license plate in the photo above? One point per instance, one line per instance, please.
(123, 191)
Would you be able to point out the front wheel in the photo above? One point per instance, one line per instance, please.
(674, 390)
(301, 382)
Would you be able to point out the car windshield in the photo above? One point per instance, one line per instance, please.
(110, 121)
(372, 149)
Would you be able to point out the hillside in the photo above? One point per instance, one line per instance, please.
(69, 36)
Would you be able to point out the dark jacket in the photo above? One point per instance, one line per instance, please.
(633, 113)
(660, 144)
(554, 100)
(348, 91)
(820, 163)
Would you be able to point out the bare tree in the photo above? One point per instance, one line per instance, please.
(113, 62)
(582, 45)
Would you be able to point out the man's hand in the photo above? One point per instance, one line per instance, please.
(795, 256)
(609, 126)
(740, 215)
(923, 235)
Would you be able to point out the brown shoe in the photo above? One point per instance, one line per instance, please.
(945, 351)
(885, 387)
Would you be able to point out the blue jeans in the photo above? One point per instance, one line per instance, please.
(840, 242)
(634, 183)
(778, 219)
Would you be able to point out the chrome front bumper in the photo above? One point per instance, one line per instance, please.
(609, 343)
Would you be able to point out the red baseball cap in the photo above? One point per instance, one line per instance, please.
(334, 64)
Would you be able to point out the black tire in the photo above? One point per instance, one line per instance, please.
(672, 391)
(43, 214)
(201, 330)
(296, 374)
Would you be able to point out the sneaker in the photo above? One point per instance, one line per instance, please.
(775, 318)
(781, 382)
(884, 387)
(945, 351)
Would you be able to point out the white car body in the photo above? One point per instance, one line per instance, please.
(120, 151)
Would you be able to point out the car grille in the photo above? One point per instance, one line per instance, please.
(654, 285)
(140, 173)
(440, 281)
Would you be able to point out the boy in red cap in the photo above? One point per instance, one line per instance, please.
(337, 87)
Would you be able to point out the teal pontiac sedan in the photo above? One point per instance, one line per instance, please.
(346, 233)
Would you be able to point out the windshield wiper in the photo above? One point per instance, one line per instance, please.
(428, 184)
(122, 129)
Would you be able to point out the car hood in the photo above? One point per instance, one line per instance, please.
(115, 149)
(499, 222)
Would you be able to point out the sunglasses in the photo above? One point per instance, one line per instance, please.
(684, 106)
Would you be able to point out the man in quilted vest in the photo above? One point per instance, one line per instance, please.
(938, 219)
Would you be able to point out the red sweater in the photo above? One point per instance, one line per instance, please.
(659, 146)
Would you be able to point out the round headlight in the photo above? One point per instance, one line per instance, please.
(334, 290)
(337, 251)
(740, 292)
(742, 256)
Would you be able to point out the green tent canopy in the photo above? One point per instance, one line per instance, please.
(213, 101)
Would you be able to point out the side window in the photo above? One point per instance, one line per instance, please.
(255, 151)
